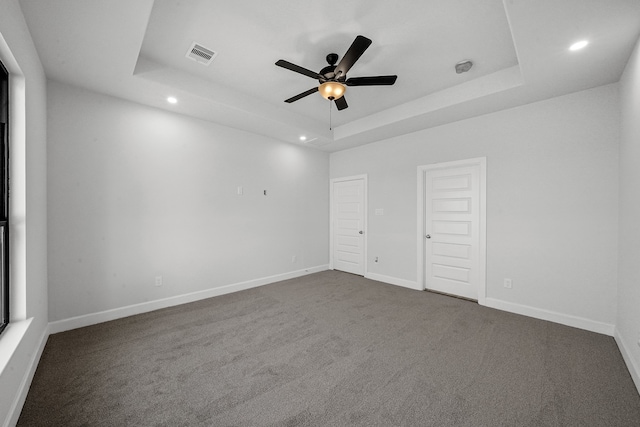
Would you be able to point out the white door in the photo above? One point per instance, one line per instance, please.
(348, 225)
(452, 230)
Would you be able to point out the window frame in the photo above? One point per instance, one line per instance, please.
(4, 198)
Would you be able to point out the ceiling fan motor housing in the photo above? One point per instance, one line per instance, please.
(327, 73)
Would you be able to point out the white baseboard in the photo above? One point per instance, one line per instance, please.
(552, 316)
(118, 313)
(25, 384)
(393, 281)
(537, 313)
(633, 368)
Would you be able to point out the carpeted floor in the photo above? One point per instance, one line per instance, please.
(331, 349)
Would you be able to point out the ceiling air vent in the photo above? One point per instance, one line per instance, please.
(201, 54)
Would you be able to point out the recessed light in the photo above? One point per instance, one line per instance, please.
(172, 100)
(578, 45)
(303, 138)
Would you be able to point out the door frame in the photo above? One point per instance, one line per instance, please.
(365, 203)
(482, 250)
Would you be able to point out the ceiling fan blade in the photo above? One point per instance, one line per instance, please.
(298, 69)
(371, 81)
(341, 103)
(355, 51)
(301, 95)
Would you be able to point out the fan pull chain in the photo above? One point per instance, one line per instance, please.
(330, 115)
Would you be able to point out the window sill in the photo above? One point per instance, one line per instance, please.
(10, 340)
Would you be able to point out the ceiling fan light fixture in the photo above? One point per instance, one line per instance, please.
(332, 90)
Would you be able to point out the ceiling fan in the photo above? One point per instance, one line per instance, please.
(333, 78)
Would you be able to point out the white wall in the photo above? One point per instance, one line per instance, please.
(22, 342)
(136, 192)
(552, 201)
(628, 320)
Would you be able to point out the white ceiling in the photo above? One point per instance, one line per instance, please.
(136, 50)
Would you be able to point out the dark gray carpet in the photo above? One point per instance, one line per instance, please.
(331, 349)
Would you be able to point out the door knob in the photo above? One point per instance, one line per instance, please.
(360, 232)
(428, 236)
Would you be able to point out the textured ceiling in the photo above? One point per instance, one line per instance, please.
(462, 29)
(136, 50)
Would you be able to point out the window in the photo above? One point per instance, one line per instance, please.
(4, 197)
